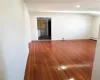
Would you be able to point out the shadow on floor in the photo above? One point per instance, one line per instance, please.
(44, 37)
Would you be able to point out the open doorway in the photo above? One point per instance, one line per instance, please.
(44, 28)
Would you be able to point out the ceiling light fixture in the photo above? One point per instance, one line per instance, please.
(77, 6)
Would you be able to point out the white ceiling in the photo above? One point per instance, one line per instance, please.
(62, 5)
(61, 1)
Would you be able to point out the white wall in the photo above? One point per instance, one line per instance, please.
(34, 30)
(27, 24)
(96, 67)
(68, 26)
(95, 27)
(13, 40)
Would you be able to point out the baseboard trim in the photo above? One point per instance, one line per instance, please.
(92, 38)
(58, 40)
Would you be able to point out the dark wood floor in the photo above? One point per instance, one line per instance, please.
(60, 60)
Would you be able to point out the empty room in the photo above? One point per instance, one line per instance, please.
(67, 50)
(50, 40)
(69, 55)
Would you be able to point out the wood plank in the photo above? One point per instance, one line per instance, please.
(60, 60)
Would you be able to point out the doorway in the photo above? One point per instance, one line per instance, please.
(44, 28)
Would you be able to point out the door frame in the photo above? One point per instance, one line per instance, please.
(43, 17)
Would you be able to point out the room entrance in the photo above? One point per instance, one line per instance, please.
(44, 28)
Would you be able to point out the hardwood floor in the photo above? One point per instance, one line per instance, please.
(60, 60)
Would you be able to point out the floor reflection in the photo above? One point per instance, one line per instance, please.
(60, 60)
(65, 67)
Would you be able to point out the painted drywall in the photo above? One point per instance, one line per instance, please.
(96, 65)
(34, 29)
(13, 40)
(27, 24)
(67, 26)
(95, 27)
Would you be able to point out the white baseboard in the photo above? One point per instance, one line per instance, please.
(93, 38)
